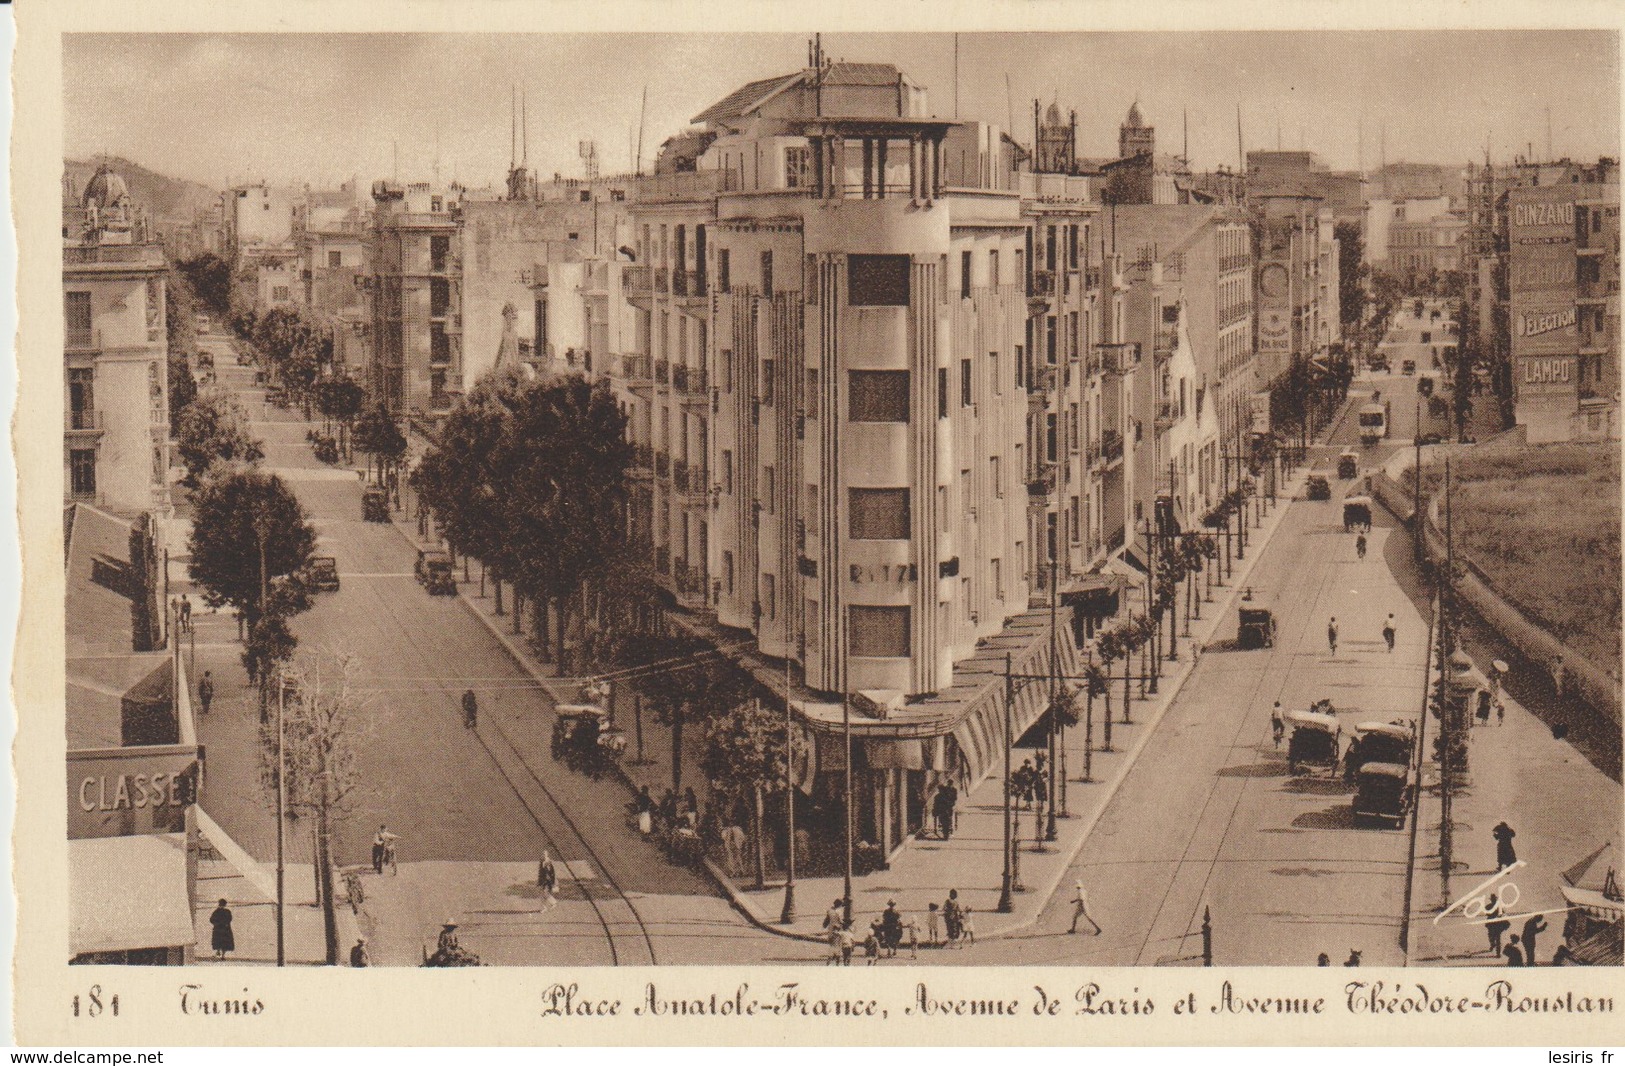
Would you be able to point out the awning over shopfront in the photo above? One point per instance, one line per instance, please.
(128, 893)
(229, 850)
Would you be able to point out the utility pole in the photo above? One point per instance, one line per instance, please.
(1417, 757)
(281, 818)
(1050, 831)
(788, 914)
(1007, 881)
(1447, 709)
(846, 723)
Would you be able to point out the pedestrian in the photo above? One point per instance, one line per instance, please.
(668, 807)
(1513, 953)
(834, 958)
(1080, 908)
(1277, 724)
(1505, 854)
(358, 954)
(691, 802)
(932, 928)
(1560, 676)
(848, 944)
(1484, 701)
(946, 797)
(448, 944)
(1331, 635)
(871, 943)
(967, 928)
(951, 915)
(1532, 928)
(1353, 959)
(1324, 960)
(221, 939)
(1359, 545)
(471, 710)
(1497, 925)
(912, 928)
(186, 613)
(1500, 713)
(380, 846)
(205, 690)
(734, 840)
(1388, 632)
(891, 928)
(835, 917)
(547, 879)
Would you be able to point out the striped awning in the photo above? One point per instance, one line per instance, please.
(981, 731)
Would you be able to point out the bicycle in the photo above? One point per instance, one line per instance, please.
(354, 891)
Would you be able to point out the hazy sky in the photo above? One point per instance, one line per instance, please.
(321, 107)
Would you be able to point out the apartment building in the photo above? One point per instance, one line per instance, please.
(116, 353)
(413, 270)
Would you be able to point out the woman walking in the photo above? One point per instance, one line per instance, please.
(221, 940)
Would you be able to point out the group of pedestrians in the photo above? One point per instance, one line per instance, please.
(945, 808)
(1029, 785)
(947, 924)
(1390, 633)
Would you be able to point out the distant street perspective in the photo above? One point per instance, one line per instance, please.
(851, 527)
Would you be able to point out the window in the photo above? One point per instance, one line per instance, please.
(993, 371)
(724, 273)
(1049, 437)
(879, 514)
(767, 273)
(767, 382)
(82, 471)
(878, 632)
(877, 280)
(439, 252)
(995, 475)
(1049, 340)
(78, 312)
(964, 275)
(993, 268)
(770, 487)
(1072, 428)
(811, 402)
(728, 572)
(541, 328)
(335, 259)
(964, 383)
(797, 167)
(727, 370)
(942, 392)
(727, 471)
(1021, 366)
(81, 398)
(279, 293)
(997, 569)
(878, 395)
(1072, 522)
(437, 203)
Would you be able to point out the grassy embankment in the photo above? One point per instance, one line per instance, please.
(1543, 523)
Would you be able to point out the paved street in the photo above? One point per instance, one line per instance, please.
(474, 809)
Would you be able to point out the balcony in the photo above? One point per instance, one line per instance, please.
(1042, 285)
(1167, 340)
(661, 278)
(690, 580)
(688, 283)
(1167, 414)
(636, 370)
(1120, 358)
(1042, 380)
(642, 464)
(635, 280)
(1093, 456)
(1091, 278)
(662, 464)
(1111, 445)
(662, 372)
(83, 340)
(1041, 485)
(84, 421)
(147, 255)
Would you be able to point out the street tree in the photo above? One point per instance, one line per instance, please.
(745, 761)
(182, 389)
(180, 314)
(241, 519)
(270, 643)
(563, 456)
(1109, 647)
(214, 429)
(682, 676)
(322, 729)
(340, 399)
(210, 278)
(381, 439)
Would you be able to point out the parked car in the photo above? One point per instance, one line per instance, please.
(434, 572)
(1408, 366)
(322, 573)
(1383, 792)
(374, 505)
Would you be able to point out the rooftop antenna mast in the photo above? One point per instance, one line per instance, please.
(524, 127)
(1010, 108)
(1550, 155)
(513, 126)
(956, 75)
(642, 116)
(1185, 151)
(1241, 154)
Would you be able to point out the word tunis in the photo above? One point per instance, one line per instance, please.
(194, 1000)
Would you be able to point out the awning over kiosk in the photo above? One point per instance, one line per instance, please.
(128, 893)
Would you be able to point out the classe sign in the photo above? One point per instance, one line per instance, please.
(131, 791)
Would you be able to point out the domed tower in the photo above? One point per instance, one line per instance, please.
(107, 206)
(1134, 137)
(1057, 144)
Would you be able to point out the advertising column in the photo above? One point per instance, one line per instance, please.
(1544, 319)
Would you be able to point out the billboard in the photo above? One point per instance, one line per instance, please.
(131, 791)
(1544, 321)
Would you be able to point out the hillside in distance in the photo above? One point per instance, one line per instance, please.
(162, 196)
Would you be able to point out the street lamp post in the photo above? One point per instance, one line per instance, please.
(1007, 882)
(846, 724)
(788, 914)
(1054, 693)
(281, 817)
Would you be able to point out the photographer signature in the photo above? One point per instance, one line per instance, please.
(1476, 906)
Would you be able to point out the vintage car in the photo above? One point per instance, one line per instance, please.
(1318, 487)
(434, 573)
(1316, 737)
(322, 573)
(584, 739)
(1348, 465)
(374, 505)
(1256, 628)
(1383, 792)
(1407, 366)
(1357, 514)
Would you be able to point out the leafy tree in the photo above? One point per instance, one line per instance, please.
(377, 434)
(182, 389)
(270, 643)
(1351, 271)
(563, 456)
(683, 675)
(214, 429)
(180, 314)
(340, 400)
(210, 278)
(745, 759)
(233, 515)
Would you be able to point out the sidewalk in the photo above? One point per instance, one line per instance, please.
(253, 917)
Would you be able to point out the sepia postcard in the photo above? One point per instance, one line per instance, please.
(1045, 525)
